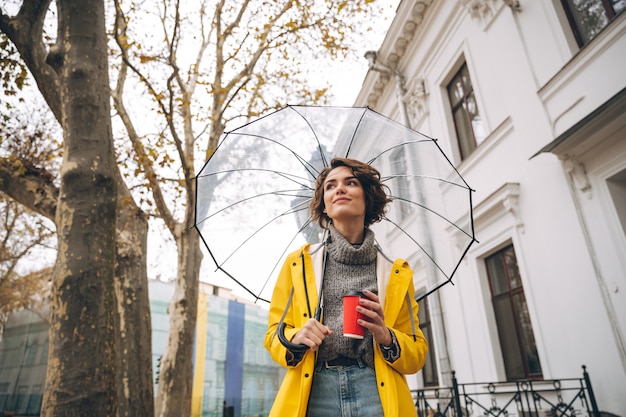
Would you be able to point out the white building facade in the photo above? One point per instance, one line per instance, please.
(527, 98)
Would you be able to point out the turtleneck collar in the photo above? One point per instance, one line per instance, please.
(344, 252)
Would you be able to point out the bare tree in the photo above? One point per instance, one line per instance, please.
(220, 62)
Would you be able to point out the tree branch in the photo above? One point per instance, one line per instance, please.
(31, 186)
(117, 94)
(25, 30)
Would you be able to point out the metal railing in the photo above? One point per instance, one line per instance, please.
(566, 397)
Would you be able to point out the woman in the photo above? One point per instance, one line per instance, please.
(337, 375)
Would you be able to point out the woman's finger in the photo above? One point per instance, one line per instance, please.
(371, 295)
(373, 311)
(312, 334)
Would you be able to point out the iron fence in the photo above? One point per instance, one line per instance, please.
(566, 397)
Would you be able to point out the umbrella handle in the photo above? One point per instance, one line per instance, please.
(286, 343)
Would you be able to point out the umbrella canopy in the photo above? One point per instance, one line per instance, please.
(253, 193)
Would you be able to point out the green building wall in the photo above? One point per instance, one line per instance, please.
(24, 352)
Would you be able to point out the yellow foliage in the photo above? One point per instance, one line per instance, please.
(146, 58)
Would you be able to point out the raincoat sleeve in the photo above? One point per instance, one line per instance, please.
(280, 299)
(401, 317)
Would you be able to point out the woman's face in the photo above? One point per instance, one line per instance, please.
(344, 198)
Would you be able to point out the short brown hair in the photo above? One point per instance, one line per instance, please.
(374, 191)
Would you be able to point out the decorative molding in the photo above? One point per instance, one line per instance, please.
(460, 243)
(504, 200)
(511, 204)
(484, 10)
(577, 172)
(416, 100)
(407, 32)
(513, 4)
(399, 45)
(504, 203)
(480, 9)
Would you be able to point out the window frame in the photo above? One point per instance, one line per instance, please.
(575, 25)
(512, 296)
(469, 91)
(426, 327)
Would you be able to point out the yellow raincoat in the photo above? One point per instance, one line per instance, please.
(396, 293)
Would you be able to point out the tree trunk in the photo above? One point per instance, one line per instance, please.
(37, 192)
(34, 187)
(82, 356)
(133, 326)
(176, 373)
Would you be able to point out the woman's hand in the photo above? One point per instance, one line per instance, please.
(312, 334)
(375, 322)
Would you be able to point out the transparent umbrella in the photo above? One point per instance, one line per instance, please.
(253, 193)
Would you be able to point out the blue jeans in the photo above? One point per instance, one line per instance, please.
(344, 391)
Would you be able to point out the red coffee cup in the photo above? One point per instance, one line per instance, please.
(350, 316)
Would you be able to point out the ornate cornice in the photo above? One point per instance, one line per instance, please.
(403, 38)
(483, 10)
(505, 200)
(407, 32)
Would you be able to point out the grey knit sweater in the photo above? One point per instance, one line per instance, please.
(348, 268)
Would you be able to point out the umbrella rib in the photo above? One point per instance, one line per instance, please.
(285, 175)
(254, 234)
(304, 205)
(418, 245)
(220, 265)
(356, 129)
(310, 168)
(448, 280)
(431, 211)
(399, 145)
(319, 145)
(306, 223)
(277, 193)
(427, 177)
(226, 272)
(452, 165)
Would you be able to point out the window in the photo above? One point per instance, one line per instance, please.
(5, 396)
(467, 121)
(30, 354)
(429, 372)
(588, 17)
(19, 401)
(515, 332)
(43, 358)
(617, 189)
(34, 402)
(399, 166)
